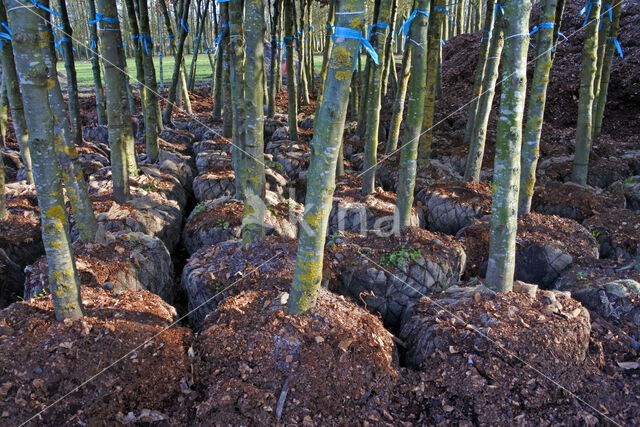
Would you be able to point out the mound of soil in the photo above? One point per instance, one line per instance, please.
(353, 212)
(121, 356)
(256, 365)
(214, 272)
(573, 201)
(386, 273)
(215, 184)
(449, 206)
(617, 232)
(122, 261)
(545, 246)
(489, 358)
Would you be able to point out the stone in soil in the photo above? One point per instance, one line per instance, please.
(450, 206)
(617, 232)
(256, 365)
(44, 360)
(630, 189)
(573, 201)
(546, 245)
(386, 274)
(117, 262)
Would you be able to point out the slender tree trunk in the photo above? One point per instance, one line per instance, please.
(111, 42)
(137, 52)
(227, 130)
(152, 121)
(479, 135)
(379, 37)
(388, 53)
(303, 84)
(326, 141)
(63, 278)
(557, 32)
(275, 47)
(506, 175)
(71, 170)
(584, 131)
(95, 67)
(196, 49)
(253, 165)
(168, 111)
(361, 129)
(15, 101)
(610, 51)
(398, 105)
(72, 78)
(415, 111)
(480, 71)
(292, 89)
(535, 111)
(3, 133)
(433, 45)
(328, 45)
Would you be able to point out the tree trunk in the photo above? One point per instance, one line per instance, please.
(328, 45)
(326, 142)
(584, 131)
(168, 111)
(72, 78)
(16, 106)
(379, 38)
(196, 49)
(111, 42)
(479, 135)
(390, 62)
(303, 86)
(63, 278)
(610, 51)
(95, 67)
(152, 121)
(417, 42)
(132, 6)
(275, 48)
(557, 32)
(292, 89)
(506, 175)
(480, 71)
(433, 57)
(71, 170)
(3, 132)
(398, 104)
(253, 188)
(237, 80)
(535, 110)
(227, 121)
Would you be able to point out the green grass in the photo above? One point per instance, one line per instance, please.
(85, 75)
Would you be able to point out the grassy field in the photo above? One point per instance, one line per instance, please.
(203, 70)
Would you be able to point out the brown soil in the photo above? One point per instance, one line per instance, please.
(333, 366)
(580, 202)
(20, 227)
(529, 369)
(96, 262)
(121, 345)
(222, 215)
(349, 189)
(620, 226)
(477, 194)
(434, 246)
(558, 232)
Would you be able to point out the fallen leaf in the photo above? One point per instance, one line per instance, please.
(629, 365)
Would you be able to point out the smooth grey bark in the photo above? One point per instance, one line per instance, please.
(398, 104)
(327, 138)
(119, 137)
(506, 175)
(415, 110)
(71, 170)
(63, 277)
(171, 99)
(95, 66)
(292, 87)
(10, 77)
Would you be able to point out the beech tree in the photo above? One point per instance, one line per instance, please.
(584, 129)
(325, 144)
(416, 42)
(95, 67)
(506, 173)
(32, 72)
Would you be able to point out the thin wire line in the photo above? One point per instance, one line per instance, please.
(385, 157)
(498, 344)
(147, 341)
